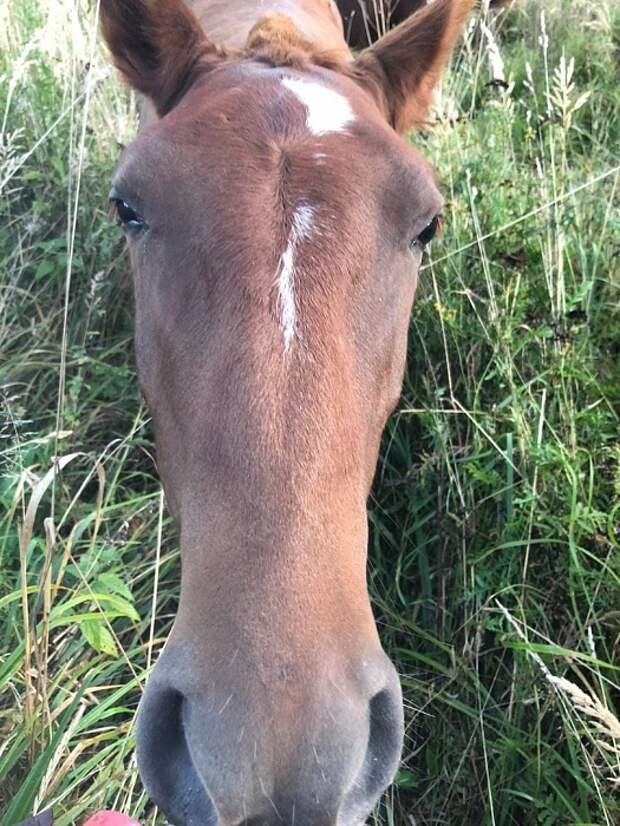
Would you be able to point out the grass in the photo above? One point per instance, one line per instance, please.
(495, 558)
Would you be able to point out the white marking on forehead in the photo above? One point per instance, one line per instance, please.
(326, 110)
(301, 230)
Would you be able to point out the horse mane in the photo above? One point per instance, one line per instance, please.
(275, 39)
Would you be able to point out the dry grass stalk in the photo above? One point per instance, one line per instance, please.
(604, 722)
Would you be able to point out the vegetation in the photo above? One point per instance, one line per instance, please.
(494, 556)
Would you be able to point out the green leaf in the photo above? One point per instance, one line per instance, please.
(22, 803)
(44, 268)
(406, 780)
(108, 582)
(120, 606)
(98, 636)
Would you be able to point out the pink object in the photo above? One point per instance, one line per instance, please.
(111, 819)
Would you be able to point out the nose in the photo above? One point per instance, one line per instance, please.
(298, 753)
(164, 760)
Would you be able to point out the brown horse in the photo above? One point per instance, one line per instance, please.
(366, 20)
(276, 221)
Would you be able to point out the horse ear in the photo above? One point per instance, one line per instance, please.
(402, 68)
(158, 46)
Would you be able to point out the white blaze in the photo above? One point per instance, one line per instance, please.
(301, 230)
(326, 110)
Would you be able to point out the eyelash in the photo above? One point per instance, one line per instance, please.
(428, 233)
(129, 219)
(126, 215)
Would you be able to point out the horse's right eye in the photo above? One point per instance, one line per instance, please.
(127, 217)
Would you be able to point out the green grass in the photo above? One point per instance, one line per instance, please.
(495, 558)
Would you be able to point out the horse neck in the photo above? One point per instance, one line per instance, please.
(228, 22)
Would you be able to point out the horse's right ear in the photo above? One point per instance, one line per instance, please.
(159, 47)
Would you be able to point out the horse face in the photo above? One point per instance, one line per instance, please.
(275, 221)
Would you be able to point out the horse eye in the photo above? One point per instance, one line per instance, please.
(127, 216)
(429, 232)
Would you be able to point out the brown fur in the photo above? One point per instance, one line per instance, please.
(158, 46)
(161, 49)
(403, 68)
(273, 702)
(275, 39)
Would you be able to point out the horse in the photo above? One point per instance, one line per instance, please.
(276, 220)
(366, 20)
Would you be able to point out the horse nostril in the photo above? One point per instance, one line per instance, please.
(385, 739)
(165, 762)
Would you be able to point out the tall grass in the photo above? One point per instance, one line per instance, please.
(494, 564)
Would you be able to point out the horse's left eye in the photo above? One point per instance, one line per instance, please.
(126, 214)
(428, 233)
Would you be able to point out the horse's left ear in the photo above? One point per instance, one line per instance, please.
(402, 69)
(158, 45)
